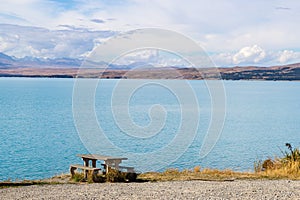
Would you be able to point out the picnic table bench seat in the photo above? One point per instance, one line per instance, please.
(129, 169)
(73, 167)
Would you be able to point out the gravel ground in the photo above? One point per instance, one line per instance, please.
(254, 189)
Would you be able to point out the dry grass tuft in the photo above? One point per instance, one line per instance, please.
(282, 170)
(287, 167)
(197, 169)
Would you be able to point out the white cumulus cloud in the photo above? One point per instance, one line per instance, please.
(253, 54)
(151, 58)
(256, 55)
(288, 56)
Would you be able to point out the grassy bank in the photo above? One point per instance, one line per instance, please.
(285, 167)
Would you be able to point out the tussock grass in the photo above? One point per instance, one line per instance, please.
(288, 170)
(287, 167)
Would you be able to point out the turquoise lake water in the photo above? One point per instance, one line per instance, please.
(39, 139)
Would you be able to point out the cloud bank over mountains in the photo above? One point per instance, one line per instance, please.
(70, 42)
(22, 41)
(233, 32)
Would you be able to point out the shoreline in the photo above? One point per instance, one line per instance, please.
(196, 174)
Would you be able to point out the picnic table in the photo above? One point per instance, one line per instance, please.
(109, 162)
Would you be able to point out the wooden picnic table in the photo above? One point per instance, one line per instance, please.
(109, 161)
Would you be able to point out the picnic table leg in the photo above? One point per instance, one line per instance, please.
(117, 163)
(86, 164)
(108, 164)
(94, 163)
(72, 170)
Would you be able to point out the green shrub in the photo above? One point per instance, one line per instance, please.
(98, 179)
(78, 177)
(292, 155)
(115, 176)
(130, 176)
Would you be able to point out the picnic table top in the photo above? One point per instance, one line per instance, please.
(100, 157)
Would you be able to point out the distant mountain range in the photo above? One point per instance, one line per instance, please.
(12, 62)
(31, 62)
(69, 68)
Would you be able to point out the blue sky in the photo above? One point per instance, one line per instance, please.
(234, 32)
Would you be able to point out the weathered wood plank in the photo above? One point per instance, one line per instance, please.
(84, 167)
(100, 157)
(129, 169)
